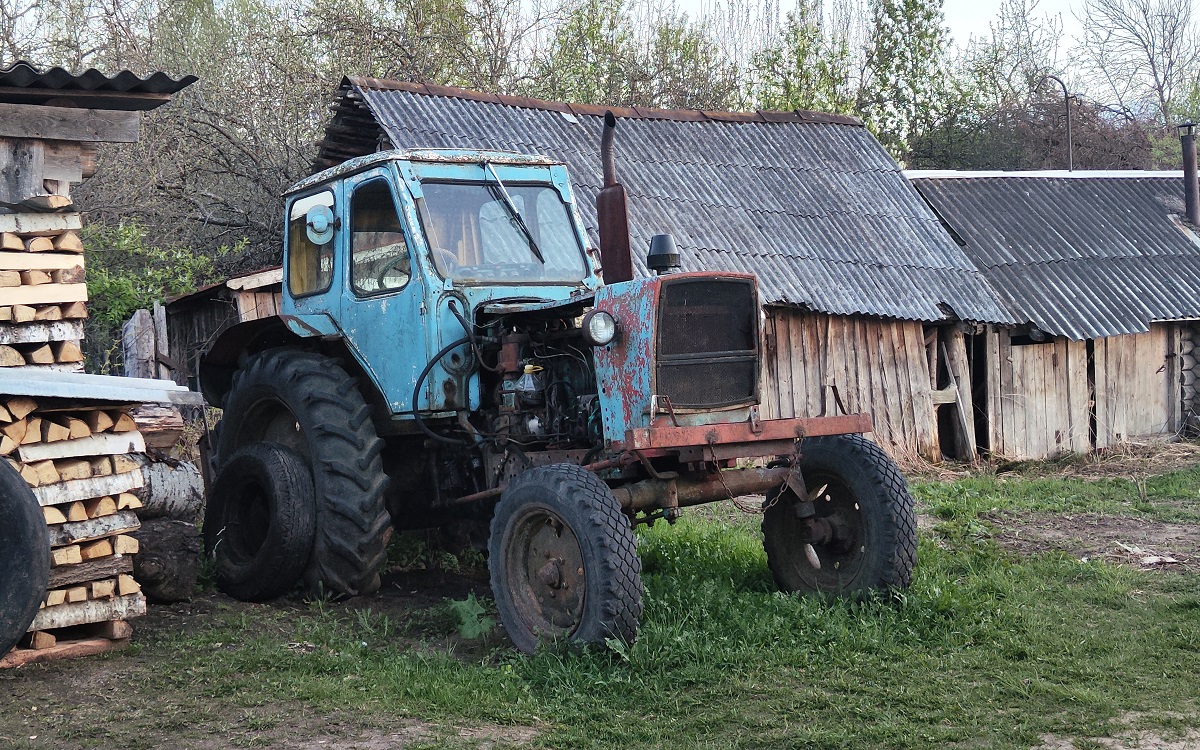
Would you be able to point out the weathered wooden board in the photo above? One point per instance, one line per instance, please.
(21, 167)
(35, 333)
(102, 444)
(44, 294)
(85, 489)
(40, 225)
(90, 571)
(65, 650)
(83, 613)
(69, 124)
(95, 528)
(24, 261)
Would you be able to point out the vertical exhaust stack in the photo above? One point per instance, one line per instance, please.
(1191, 184)
(612, 213)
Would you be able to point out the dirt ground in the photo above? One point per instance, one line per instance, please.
(55, 694)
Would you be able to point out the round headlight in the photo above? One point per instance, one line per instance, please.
(599, 327)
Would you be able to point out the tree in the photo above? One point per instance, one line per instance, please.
(807, 68)
(1146, 53)
(907, 80)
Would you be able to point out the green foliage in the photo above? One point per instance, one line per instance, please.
(471, 617)
(125, 273)
(807, 68)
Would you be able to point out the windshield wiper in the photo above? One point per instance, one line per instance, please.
(512, 210)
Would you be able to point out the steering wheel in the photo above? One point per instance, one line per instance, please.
(445, 260)
(395, 274)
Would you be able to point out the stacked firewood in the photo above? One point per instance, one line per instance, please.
(42, 291)
(79, 461)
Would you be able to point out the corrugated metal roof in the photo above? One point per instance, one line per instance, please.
(25, 83)
(1082, 256)
(810, 203)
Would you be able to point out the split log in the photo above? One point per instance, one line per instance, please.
(16, 430)
(100, 506)
(101, 467)
(126, 585)
(23, 313)
(96, 550)
(10, 241)
(105, 567)
(5, 314)
(66, 351)
(161, 424)
(169, 561)
(41, 640)
(122, 422)
(77, 594)
(49, 313)
(10, 278)
(66, 556)
(41, 355)
(104, 589)
(34, 278)
(5, 415)
(72, 310)
(73, 468)
(69, 615)
(171, 490)
(7, 445)
(76, 511)
(53, 515)
(68, 242)
(20, 406)
(99, 421)
(45, 473)
(55, 597)
(33, 432)
(39, 244)
(10, 357)
(53, 431)
(72, 275)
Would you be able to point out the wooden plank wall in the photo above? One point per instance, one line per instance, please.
(1134, 395)
(1038, 394)
(878, 366)
(1042, 397)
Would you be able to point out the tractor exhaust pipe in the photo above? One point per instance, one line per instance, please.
(650, 494)
(1191, 184)
(612, 213)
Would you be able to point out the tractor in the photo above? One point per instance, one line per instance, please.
(451, 350)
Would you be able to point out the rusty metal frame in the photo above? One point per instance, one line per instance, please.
(663, 434)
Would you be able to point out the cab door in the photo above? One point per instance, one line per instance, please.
(383, 304)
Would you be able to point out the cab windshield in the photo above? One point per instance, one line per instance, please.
(474, 236)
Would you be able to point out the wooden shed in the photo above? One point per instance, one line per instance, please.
(192, 322)
(1105, 278)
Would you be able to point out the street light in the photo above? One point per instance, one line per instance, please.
(1067, 104)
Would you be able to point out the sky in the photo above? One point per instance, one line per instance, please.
(972, 17)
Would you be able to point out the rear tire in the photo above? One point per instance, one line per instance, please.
(24, 557)
(563, 560)
(866, 506)
(260, 522)
(308, 403)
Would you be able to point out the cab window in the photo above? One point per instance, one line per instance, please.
(379, 257)
(310, 265)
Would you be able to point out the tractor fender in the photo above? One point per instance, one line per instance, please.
(221, 360)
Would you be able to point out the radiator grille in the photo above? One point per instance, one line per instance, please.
(708, 342)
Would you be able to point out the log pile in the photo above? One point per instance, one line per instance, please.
(81, 460)
(42, 291)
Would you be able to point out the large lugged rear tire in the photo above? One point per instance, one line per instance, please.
(308, 403)
(866, 516)
(563, 560)
(24, 557)
(260, 522)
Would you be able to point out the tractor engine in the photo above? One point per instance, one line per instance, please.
(541, 393)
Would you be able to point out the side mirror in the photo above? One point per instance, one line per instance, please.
(320, 223)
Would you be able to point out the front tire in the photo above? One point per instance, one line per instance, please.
(305, 401)
(24, 557)
(563, 560)
(866, 524)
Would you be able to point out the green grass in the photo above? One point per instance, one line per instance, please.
(984, 650)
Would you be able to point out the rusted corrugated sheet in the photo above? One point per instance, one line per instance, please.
(1082, 256)
(24, 83)
(810, 203)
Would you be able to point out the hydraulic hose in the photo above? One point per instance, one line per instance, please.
(417, 391)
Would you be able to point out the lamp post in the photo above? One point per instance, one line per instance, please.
(1191, 199)
(1067, 104)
